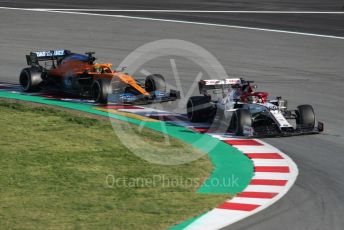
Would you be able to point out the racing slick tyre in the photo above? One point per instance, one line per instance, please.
(30, 79)
(305, 116)
(100, 90)
(199, 109)
(241, 118)
(155, 82)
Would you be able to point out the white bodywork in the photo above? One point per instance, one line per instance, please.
(227, 105)
(277, 114)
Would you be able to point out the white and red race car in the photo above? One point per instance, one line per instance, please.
(243, 111)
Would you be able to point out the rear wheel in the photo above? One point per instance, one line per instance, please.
(306, 116)
(155, 82)
(240, 119)
(199, 109)
(30, 79)
(101, 89)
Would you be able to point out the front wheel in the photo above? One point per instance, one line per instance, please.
(155, 82)
(305, 116)
(100, 91)
(240, 119)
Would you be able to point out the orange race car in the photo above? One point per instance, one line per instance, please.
(79, 75)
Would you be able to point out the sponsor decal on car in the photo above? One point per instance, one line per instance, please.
(50, 53)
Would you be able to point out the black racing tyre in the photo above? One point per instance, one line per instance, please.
(240, 119)
(100, 90)
(30, 79)
(199, 109)
(305, 116)
(155, 82)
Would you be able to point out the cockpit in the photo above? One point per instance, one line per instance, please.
(102, 68)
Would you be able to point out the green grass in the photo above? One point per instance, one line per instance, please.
(56, 171)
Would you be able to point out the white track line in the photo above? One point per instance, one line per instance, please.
(179, 21)
(193, 11)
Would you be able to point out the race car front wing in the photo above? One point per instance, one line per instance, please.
(274, 131)
(154, 97)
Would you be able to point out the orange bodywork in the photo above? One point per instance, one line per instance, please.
(77, 68)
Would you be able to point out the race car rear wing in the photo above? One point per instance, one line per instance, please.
(205, 85)
(34, 57)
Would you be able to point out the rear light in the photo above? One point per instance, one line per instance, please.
(320, 126)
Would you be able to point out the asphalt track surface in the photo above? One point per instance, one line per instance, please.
(303, 69)
(325, 24)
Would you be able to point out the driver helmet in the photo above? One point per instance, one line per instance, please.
(257, 99)
(97, 69)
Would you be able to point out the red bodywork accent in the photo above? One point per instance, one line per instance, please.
(261, 96)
